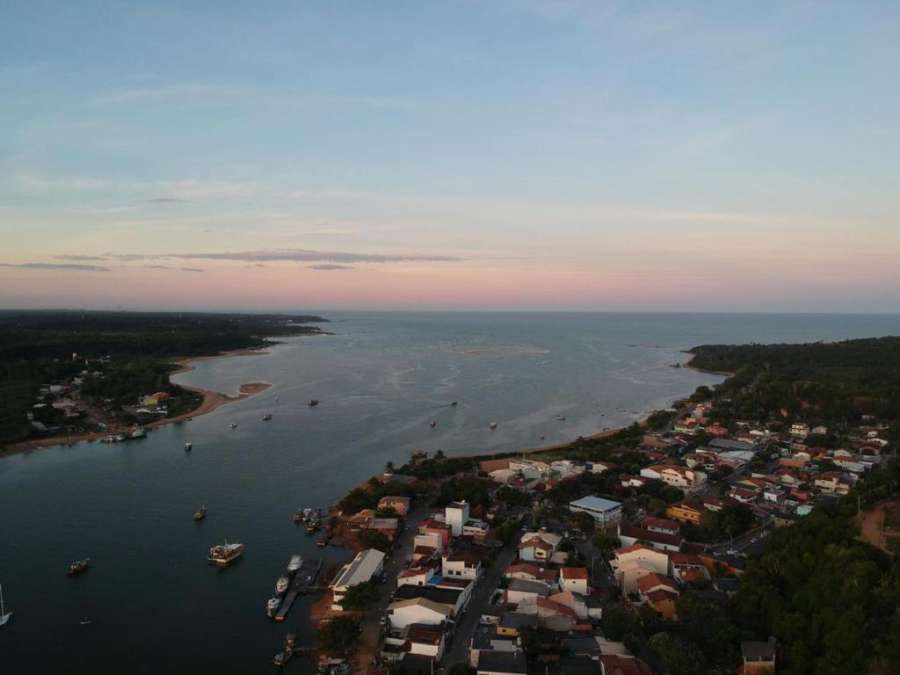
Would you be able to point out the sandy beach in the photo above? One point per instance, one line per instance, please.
(212, 400)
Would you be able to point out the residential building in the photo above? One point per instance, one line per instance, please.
(455, 515)
(502, 663)
(617, 664)
(399, 504)
(759, 657)
(685, 512)
(461, 565)
(538, 546)
(574, 579)
(402, 613)
(603, 511)
(629, 535)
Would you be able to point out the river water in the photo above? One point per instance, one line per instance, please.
(154, 604)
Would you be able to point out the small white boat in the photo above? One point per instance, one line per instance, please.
(493, 425)
(433, 424)
(272, 605)
(281, 585)
(188, 446)
(267, 417)
(4, 615)
(295, 563)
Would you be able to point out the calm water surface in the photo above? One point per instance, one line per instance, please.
(154, 604)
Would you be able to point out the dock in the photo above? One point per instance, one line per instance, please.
(303, 582)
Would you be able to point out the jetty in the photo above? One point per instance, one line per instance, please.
(303, 582)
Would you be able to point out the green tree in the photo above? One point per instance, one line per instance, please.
(361, 596)
(339, 636)
(679, 657)
(374, 539)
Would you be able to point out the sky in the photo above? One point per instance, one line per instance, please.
(464, 154)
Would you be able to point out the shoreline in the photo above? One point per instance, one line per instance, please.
(212, 400)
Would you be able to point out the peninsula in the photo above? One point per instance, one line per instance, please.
(69, 375)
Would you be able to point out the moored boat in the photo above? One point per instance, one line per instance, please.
(281, 585)
(200, 513)
(225, 554)
(493, 425)
(78, 567)
(272, 605)
(188, 446)
(267, 417)
(4, 615)
(313, 402)
(295, 563)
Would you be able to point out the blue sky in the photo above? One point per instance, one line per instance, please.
(571, 155)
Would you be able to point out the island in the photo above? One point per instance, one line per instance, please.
(70, 375)
(753, 527)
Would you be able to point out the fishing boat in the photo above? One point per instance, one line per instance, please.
(188, 446)
(313, 402)
(4, 615)
(137, 431)
(295, 563)
(281, 586)
(272, 605)
(200, 513)
(223, 555)
(267, 417)
(493, 425)
(78, 567)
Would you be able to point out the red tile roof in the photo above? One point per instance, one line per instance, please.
(574, 572)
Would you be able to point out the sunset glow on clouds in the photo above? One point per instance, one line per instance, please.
(505, 155)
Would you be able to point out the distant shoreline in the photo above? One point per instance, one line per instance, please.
(212, 400)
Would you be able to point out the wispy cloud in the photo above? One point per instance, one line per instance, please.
(57, 266)
(170, 268)
(292, 255)
(327, 267)
(79, 258)
(161, 200)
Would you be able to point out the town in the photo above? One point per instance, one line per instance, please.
(621, 555)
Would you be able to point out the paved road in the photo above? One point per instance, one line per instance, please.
(484, 588)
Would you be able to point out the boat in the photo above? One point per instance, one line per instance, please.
(234, 425)
(137, 431)
(108, 439)
(282, 657)
(225, 554)
(188, 446)
(78, 567)
(560, 418)
(313, 523)
(267, 417)
(85, 621)
(322, 541)
(200, 513)
(432, 424)
(4, 615)
(313, 402)
(295, 563)
(281, 585)
(454, 404)
(272, 605)
(493, 425)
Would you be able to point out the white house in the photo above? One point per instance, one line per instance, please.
(418, 610)
(461, 565)
(455, 515)
(574, 579)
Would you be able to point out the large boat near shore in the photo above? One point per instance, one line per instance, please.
(223, 555)
(295, 563)
(281, 586)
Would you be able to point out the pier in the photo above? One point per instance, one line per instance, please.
(303, 582)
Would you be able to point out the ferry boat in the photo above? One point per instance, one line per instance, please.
(295, 563)
(267, 417)
(188, 446)
(225, 554)
(200, 513)
(281, 585)
(78, 567)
